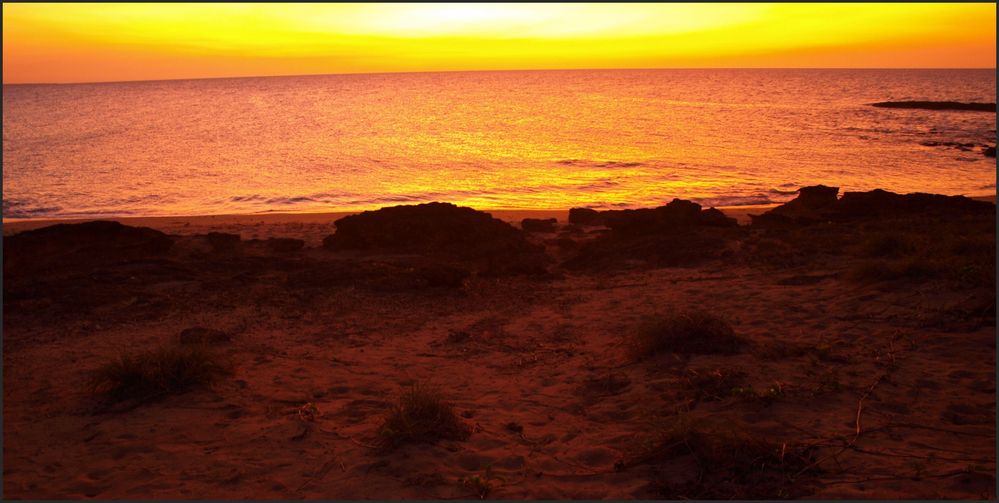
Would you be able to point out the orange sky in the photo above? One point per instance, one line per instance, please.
(115, 42)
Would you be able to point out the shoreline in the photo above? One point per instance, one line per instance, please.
(740, 213)
(292, 222)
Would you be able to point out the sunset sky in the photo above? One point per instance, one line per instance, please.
(116, 42)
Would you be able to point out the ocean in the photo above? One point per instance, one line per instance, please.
(490, 140)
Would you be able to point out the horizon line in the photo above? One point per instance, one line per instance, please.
(181, 79)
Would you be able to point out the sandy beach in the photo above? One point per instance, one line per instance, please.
(863, 362)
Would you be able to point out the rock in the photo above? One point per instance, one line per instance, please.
(810, 205)
(222, 242)
(441, 231)
(712, 217)
(424, 227)
(85, 244)
(881, 203)
(938, 105)
(678, 214)
(585, 216)
(640, 221)
(285, 245)
(809, 202)
(990, 151)
(538, 224)
(819, 203)
(202, 335)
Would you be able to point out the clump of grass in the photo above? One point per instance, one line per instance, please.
(422, 415)
(709, 385)
(686, 332)
(149, 375)
(483, 485)
(729, 465)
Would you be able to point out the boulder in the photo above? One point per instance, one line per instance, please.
(442, 231)
(820, 204)
(87, 244)
(538, 224)
(585, 216)
(881, 203)
(677, 214)
(713, 217)
(938, 105)
(809, 204)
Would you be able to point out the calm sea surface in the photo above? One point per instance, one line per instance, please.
(532, 139)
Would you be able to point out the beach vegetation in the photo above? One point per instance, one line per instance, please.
(149, 375)
(421, 415)
(729, 465)
(691, 331)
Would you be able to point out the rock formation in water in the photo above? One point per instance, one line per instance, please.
(937, 105)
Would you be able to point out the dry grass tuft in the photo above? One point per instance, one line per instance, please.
(422, 415)
(729, 465)
(149, 375)
(686, 332)
(710, 385)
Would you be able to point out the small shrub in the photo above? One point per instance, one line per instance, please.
(729, 465)
(709, 385)
(483, 485)
(688, 332)
(152, 374)
(422, 415)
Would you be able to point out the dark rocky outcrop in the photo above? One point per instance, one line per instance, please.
(677, 234)
(538, 224)
(937, 105)
(678, 214)
(88, 244)
(810, 206)
(990, 151)
(881, 203)
(712, 217)
(443, 231)
(819, 204)
(585, 216)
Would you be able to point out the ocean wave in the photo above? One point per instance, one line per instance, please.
(784, 192)
(599, 164)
